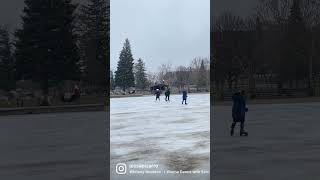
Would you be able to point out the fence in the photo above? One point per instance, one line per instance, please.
(267, 87)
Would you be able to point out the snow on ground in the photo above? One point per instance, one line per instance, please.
(172, 135)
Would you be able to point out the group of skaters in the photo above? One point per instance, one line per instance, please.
(239, 107)
(167, 95)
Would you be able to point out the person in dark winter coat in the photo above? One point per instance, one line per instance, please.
(239, 110)
(157, 93)
(184, 97)
(167, 93)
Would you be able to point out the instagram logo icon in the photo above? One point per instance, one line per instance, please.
(121, 168)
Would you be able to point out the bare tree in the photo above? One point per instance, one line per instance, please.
(273, 11)
(182, 76)
(152, 78)
(230, 48)
(196, 63)
(197, 72)
(278, 11)
(164, 73)
(228, 22)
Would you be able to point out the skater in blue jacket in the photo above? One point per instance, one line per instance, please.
(184, 97)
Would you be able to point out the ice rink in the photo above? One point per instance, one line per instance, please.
(172, 135)
(283, 143)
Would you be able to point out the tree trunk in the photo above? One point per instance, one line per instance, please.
(45, 91)
(310, 85)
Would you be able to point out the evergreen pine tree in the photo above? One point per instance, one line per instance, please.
(46, 49)
(140, 75)
(94, 42)
(294, 65)
(202, 76)
(111, 81)
(7, 80)
(124, 77)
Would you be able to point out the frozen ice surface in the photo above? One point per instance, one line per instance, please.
(53, 146)
(283, 143)
(175, 136)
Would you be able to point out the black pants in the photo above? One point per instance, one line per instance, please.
(158, 97)
(185, 101)
(167, 98)
(241, 121)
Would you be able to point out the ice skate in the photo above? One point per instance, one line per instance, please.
(231, 132)
(243, 133)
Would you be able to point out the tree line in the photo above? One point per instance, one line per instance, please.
(130, 74)
(281, 39)
(58, 40)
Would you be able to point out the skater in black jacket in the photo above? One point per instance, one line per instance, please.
(239, 110)
(157, 93)
(167, 93)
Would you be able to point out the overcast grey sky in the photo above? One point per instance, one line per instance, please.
(10, 10)
(160, 31)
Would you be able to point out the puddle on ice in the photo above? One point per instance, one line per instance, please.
(172, 135)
